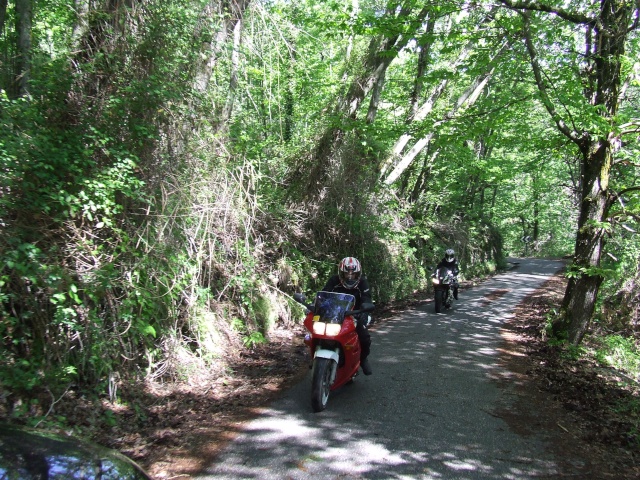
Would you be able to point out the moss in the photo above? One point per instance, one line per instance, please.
(266, 313)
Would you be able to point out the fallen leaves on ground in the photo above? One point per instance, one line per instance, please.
(586, 401)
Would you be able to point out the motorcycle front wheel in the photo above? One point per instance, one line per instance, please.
(439, 300)
(321, 383)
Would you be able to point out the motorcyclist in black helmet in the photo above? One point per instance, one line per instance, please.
(451, 262)
(351, 280)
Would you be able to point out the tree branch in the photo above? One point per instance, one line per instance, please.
(630, 127)
(567, 15)
(499, 107)
(625, 191)
(573, 135)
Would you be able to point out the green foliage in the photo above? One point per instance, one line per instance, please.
(573, 352)
(253, 339)
(619, 352)
(575, 271)
(547, 330)
(249, 338)
(20, 375)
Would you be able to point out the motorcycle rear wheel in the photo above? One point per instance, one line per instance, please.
(439, 300)
(320, 383)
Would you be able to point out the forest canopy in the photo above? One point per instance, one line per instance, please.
(171, 172)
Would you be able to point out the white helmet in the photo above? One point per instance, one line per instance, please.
(349, 272)
(449, 255)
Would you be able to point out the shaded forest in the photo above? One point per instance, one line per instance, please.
(173, 171)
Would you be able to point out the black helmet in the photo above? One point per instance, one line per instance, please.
(349, 272)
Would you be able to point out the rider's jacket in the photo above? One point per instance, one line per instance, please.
(453, 266)
(361, 291)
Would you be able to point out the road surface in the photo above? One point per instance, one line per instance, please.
(427, 412)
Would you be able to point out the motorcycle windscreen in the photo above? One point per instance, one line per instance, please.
(331, 306)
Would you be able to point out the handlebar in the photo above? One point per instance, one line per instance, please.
(362, 310)
(301, 298)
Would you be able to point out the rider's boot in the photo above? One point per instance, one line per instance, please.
(366, 367)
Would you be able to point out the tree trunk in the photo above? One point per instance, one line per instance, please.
(535, 234)
(417, 114)
(470, 95)
(423, 61)
(24, 16)
(375, 99)
(231, 12)
(3, 15)
(584, 283)
(81, 25)
(582, 290)
(227, 111)
(425, 174)
(382, 51)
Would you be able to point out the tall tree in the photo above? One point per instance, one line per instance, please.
(3, 14)
(605, 28)
(400, 23)
(24, 18)
(469, 96)
(229, 13)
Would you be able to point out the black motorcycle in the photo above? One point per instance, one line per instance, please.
(445, 286)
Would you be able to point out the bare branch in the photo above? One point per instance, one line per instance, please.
(627, 163)
(621, 193)
(567, 15)
(630, 127)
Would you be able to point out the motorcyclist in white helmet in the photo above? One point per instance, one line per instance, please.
(451, 262)
(351, 280)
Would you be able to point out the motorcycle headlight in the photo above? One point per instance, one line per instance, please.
(435, 280)
(319, 328)
(333, 329)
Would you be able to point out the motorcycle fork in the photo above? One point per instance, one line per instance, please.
(334, 362)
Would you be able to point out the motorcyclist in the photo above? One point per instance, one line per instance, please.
(451, 262)
(351, 280)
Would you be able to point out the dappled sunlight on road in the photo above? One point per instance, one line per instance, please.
(323, 451)
(428, 412)
(324, 447)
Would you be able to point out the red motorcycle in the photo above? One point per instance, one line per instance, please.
(332, 341)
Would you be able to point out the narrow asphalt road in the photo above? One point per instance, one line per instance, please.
(427, 412)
